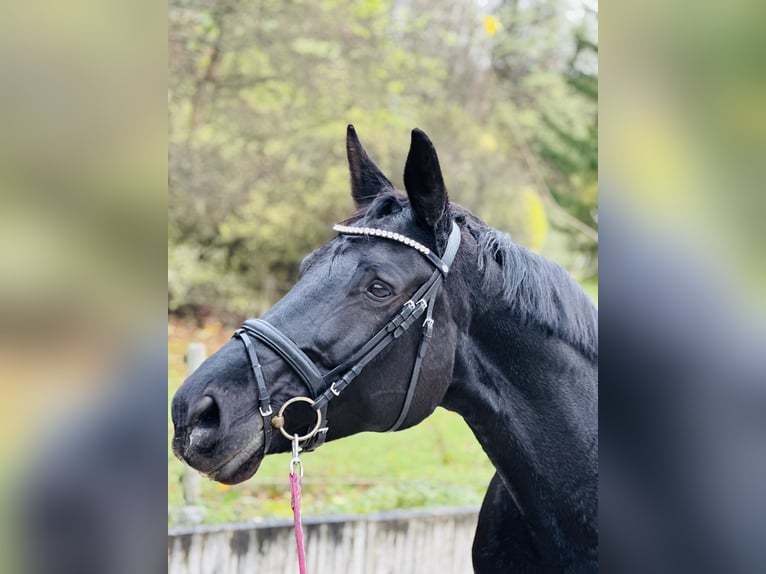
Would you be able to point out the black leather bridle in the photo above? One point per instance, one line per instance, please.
(324, 388)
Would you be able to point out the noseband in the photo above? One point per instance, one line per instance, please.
(324, 388)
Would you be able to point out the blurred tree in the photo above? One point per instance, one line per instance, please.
(547, 64)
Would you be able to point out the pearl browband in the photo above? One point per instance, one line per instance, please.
(372, 232)
(345, 229)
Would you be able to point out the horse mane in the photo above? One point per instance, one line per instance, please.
(539, 291)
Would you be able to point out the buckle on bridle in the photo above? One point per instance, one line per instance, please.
(428, 328)
(268, 412)
(334, 390)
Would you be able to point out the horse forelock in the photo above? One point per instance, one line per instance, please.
(384, 205)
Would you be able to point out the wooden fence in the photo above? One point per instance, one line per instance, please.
(429, 541)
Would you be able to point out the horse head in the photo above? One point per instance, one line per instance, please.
(366, 333)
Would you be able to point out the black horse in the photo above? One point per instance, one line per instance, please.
(513, 350)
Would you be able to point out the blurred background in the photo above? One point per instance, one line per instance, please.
(83, 297)
(96, 134)
(682, 369)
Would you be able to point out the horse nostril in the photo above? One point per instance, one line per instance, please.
(205, 413)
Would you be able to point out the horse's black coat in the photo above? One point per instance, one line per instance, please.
(514, 352)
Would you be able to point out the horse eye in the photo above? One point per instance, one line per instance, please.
(379, 290)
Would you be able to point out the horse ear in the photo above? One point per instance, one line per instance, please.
(423, 181)
(367, 181)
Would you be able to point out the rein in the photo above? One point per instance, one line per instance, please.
(324, 388)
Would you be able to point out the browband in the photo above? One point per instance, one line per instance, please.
(442, 264)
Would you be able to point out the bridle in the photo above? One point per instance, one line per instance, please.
(324, 388)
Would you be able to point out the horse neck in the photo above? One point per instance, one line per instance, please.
(531, 400)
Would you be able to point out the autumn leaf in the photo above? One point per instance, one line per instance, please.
(491, 25)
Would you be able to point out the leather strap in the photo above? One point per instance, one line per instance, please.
(289, 351)
(264, 399)
(425, 340)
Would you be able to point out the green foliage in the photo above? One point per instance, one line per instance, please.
(260, 93)
(551, 78)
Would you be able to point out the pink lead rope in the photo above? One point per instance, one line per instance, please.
(295, 502)
(296, 472)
